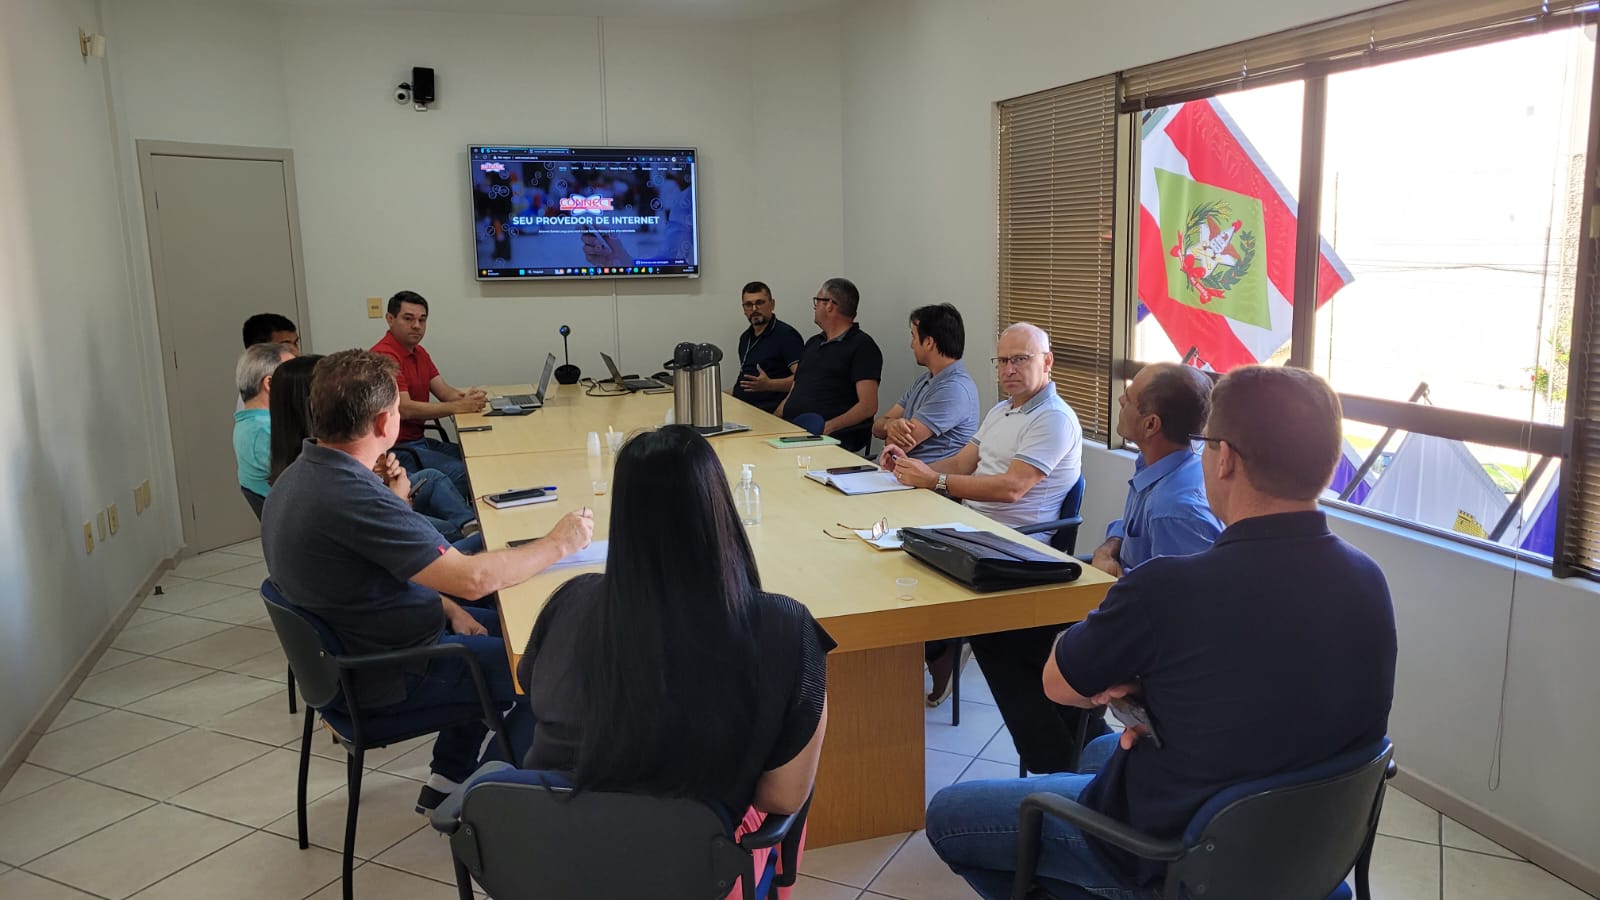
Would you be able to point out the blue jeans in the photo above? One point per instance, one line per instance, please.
(429, 453)
(448, 683)
(973, 827)
(434, 495)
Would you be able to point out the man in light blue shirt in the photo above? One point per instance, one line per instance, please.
(252, 423)
(938, 414)
(1166, 513)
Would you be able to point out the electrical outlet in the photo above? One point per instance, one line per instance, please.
(111, 518)
(374, 307)
(100, 520)
(88, 537)
(141, 497)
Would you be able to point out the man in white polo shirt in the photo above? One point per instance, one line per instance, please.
(1017, 469)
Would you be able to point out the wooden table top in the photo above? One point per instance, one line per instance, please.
(848, 585)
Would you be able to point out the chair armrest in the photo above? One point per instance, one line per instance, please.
(774, 828)
(1052, 525)
(1102, 826)
(389, 658)
(446, 818)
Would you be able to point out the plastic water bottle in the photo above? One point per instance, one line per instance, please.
(747, 496)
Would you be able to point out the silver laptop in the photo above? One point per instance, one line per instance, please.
(632, 384)
(535, 399)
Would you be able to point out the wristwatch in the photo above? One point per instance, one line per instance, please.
(941, 486)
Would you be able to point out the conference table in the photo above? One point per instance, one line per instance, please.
(870, 779)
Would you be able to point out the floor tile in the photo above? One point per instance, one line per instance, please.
(1404, 870)
(250, 548)
(940, 769)
(817, 889)
(27, 779)
(249, 576)
(271, 665)
(261, 867)
(239, 609)
(984, 769)
(59, 814)
(207, 698)
(267, 720)
(155, 771)
(262, 790)
(137, 851)
(855, 863)
(978, 725)
(112, 658)
(1476, 876)
(916, 873)
(20, 884)
(81, 747)
(382, 756)
(165, 634)
(208, 564)
(224, 648)
(426, 852)
(1463, 838)
(373, 880)
(1405, 817)
(73, 712)
(1000, 749)
(136, 681)
(182, 596)
(142, 616)
(388, 816)
(413, 764)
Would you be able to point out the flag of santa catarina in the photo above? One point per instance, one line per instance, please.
(1216, 239)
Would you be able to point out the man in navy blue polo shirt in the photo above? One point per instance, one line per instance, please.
(837, 382)
(1166, 513)
(1270, 652)
(343, 546)
(769, 350)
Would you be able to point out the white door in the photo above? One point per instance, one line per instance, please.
(223, 246)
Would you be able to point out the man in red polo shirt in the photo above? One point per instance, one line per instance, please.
(419, 382)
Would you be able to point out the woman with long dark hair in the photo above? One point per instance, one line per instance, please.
(429, 491)
(674, 674)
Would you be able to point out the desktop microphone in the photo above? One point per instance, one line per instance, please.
(567, 373)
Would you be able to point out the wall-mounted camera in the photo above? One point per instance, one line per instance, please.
(419, 91)
(402, 94)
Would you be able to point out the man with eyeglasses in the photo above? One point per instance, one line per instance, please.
(1271, 652)
(836, 387)
(1166, 513)
(769, 351)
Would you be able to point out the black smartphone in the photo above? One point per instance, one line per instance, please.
(520, 541)
(1130, 712)
(798, 439)
(523, 494)
(848, 470)
(474, 428)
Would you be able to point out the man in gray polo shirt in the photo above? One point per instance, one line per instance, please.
(345, 547)
(938, 414)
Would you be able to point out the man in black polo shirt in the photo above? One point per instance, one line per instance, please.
(836, 387)
(1270, 652)
(346, 547)
(769, 351)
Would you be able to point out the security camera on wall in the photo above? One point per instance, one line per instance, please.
(419, 91)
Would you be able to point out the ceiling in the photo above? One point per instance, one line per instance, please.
(692, 9)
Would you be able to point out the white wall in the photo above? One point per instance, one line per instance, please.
(77, 354)
(383, 189)
(921, 79)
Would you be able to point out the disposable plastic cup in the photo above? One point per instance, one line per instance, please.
(905, 588)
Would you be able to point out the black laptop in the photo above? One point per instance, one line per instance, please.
(535, 399)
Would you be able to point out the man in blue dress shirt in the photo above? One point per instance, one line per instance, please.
(1166, 513)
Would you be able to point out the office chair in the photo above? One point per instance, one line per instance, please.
(1291, 836)
(525, 834)
(324, 671)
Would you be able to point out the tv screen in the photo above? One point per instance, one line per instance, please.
(583, 212)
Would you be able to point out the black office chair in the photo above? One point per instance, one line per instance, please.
(1065, 525)
(527, 834)
(257, 502)
(317, 659)
(1292, 836)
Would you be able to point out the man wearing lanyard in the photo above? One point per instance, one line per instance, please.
(769, 351)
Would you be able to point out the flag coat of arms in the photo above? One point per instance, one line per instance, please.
(1216, 239)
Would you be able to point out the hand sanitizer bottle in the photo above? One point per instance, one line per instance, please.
(747, 496)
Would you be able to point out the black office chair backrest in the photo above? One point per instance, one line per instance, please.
(524, 840)
(1066, 538)
(309, 646)
(1292, 841)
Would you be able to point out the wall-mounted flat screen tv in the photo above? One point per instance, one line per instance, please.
(584, 212)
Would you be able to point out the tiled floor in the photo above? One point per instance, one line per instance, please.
(171, 775)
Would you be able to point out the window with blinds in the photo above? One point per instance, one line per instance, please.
(1578, 531)
(1057, 158)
